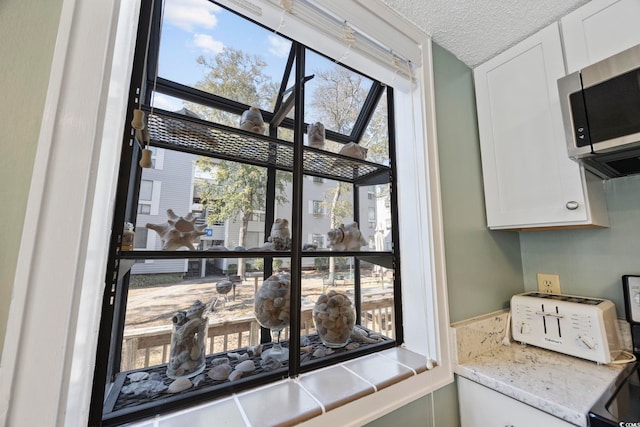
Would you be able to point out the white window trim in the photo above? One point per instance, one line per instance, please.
(86, 100)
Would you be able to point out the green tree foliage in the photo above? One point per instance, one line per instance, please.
(237, 190)
(239, 76)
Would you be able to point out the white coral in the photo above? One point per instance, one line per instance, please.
(178, 231)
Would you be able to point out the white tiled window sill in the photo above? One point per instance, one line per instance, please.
(348, 393)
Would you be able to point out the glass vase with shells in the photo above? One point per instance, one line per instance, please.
(271, 308)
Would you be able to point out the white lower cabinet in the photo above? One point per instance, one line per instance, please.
(529, 180)
(483, 407)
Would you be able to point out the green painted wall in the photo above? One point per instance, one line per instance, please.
(483, 267)
(27, 36)
(591, 262)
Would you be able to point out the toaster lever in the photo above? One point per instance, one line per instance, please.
(545, 313)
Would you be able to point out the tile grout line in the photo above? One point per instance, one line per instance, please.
(375, 388)
(243, 414)
(400, 363)
(297, 380)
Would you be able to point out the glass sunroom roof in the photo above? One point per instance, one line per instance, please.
(208, 48)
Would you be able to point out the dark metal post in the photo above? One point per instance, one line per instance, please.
(395, 231)
(296, 216)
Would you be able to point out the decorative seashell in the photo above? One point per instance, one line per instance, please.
(346, 238)
(352, 346)
(255, 350)
(219, 372)
(246, 366)
(138, 376)
(220, 361)
(354, 150)
(197, 380)
(146, 387)
(178, 232)
(280, 228)
(180, 384)
(235, 375)
(359, 335)
(233, 355)
(252, 121)
(280, 236)
(187, 356)
(270, 364)
(306, 349)
(316, 135)
(322, 351)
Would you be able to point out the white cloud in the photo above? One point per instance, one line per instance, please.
(279, 46)
(207, 43)
(166, 103)
(190, 14)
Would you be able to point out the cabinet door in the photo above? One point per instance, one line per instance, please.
(599, 29)
(528, 177)
(483, 407)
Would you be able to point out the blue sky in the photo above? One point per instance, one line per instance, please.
(196, 27)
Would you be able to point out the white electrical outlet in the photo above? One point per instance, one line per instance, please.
(549, 283)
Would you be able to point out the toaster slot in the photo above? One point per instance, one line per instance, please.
(550, 327)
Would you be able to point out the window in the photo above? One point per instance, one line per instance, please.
(425, 268)
(144, 208)
(318, 207)
(146, 190)
(371, 216)
(215, 112)
(140, 238)
(258, 216)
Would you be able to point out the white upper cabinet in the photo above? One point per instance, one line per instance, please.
(599, 29)
(529, 181)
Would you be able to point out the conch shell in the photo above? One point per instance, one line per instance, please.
(178, 231)
(316, 135)
(252, 121)
(346, 238)
(354, 150)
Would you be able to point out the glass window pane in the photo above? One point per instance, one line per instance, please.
(336, 94)
(215, 59)
(146, 190)
(376, 135)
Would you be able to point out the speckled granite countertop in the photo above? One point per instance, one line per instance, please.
(561, 385)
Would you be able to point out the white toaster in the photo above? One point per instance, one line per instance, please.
(578, 326)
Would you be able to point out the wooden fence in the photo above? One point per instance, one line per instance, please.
(151, 346)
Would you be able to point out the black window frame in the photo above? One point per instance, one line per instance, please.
(114, 300)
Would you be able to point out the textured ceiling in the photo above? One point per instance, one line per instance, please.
(477, 30)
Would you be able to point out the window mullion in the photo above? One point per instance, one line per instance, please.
(296, 215)
(395, 229)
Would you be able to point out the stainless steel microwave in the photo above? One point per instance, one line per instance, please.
(601, 112)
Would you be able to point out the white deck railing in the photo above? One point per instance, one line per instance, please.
(151, 346)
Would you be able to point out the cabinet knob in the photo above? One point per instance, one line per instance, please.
(572, 205)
